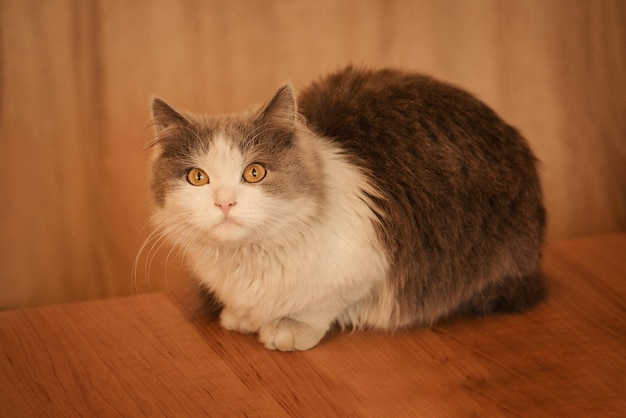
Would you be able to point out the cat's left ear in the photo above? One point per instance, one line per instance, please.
(164, 116)
(281, 109)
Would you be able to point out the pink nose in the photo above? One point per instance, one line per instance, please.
(225, 205)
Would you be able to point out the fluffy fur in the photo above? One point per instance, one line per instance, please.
(390, 199)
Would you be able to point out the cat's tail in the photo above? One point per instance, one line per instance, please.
(512, 294)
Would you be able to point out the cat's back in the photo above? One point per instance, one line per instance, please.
(386, 111)
(455, 178)
(410, 131)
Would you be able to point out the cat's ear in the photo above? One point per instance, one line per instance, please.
(281, 109)
(164, 116)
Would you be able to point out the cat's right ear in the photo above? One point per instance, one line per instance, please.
(164, 116)
(281, 108)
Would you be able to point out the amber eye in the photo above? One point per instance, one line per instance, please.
(197, 177)
(254, 173)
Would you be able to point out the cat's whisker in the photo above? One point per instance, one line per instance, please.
(248, 141)
(186, 247)
(178, 231)
(277, 224)
(190, 233)
(157, 241)
(151, 246)
(167, 259)
(199, 141)
(142, 250)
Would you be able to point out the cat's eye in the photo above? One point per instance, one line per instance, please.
(197, 177)
(254, 173)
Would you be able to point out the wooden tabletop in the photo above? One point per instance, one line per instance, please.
(149, 356)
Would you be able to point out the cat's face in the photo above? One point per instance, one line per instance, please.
(230, 180)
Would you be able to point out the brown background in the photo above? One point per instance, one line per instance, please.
(76, 78)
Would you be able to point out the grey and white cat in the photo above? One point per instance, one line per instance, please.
(379, 199)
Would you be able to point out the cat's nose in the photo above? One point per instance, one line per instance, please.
(225, 205)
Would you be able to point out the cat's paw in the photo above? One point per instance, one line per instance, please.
(287, 334)
(233, 322)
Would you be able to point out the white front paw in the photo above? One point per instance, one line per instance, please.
(287, 334)
(233, 322)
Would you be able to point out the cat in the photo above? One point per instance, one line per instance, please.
(380, 199)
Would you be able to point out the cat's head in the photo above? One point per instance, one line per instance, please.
(233, 179)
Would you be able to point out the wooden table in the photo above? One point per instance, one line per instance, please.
(148, 356)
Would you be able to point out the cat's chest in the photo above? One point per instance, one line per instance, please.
(257, 284)
(254, 270)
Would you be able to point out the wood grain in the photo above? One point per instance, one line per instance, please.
(150, 355)
(76, 79)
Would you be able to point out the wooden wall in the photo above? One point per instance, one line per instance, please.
(76, 78)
